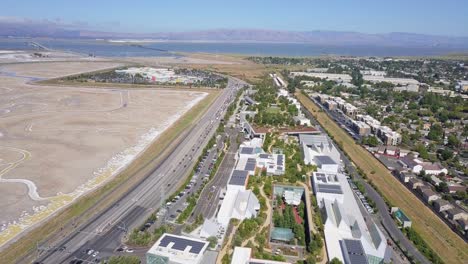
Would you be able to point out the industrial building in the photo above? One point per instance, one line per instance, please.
(174, 249)
(348, 235)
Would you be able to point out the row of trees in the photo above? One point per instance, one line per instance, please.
(422, 246)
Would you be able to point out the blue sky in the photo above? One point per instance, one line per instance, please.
(443, 17)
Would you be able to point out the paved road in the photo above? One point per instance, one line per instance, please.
(383, 211)
(209, 198)
(205, 169)
(104, 232)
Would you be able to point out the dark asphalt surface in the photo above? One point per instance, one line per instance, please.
(209, 198)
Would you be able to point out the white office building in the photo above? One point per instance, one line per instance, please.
(318, 145)
(238, 203)
(348, 235)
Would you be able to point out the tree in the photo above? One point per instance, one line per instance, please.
(421, 149)
(453, 141)
(405, 138)
(446, 154)
(442, 187)
(422, 173)
(413, 106)
(372, 141)
(356, 78)
(436, 132)
(213, 241)
(310, 260)
(335, 261)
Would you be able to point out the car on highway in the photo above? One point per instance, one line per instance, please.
(129, 250)
(95, 253)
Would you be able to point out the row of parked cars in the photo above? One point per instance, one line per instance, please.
(361, 197)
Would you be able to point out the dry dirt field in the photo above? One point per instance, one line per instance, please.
(56, 143)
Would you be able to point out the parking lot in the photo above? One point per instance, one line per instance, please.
(171, 210)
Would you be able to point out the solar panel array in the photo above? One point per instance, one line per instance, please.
(247, 150)
(321, 177)
(375, 235)
(251, 164)
(337, 212)
(329, 188)
(324, 160)
(280, 160)
(264, 156)
(353, 251)
(239, 177)
(181, 244)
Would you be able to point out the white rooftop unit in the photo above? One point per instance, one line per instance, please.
(177, 250)
(239, 205)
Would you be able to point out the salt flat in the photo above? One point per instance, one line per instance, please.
(58, 142)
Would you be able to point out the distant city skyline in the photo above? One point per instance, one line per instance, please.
(448, 18)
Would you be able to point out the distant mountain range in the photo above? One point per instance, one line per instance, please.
(336, 38)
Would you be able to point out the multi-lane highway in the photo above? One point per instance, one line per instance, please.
(104, 232)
